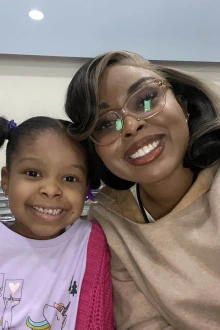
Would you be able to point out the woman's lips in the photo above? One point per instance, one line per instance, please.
(145, 150)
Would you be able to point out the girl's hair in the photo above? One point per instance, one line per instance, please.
(203, 106)
(33, 127)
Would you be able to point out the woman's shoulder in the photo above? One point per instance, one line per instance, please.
(213, 172)
(112, 195)
(214, 176)
(110, 204)
(216, 171)
(108, 192)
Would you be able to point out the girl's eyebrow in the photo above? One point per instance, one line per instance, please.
(78, 166)
(30, 159)
(130, 90)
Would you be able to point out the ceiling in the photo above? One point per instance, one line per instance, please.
(180, 30)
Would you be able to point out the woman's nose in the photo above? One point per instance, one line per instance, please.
(132, 125)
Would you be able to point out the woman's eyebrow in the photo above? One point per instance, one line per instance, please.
(130, 91)
(137, 83)
(103, 106)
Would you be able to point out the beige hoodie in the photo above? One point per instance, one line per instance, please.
(166, 275)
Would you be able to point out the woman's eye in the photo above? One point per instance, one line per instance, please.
(34, 174)
(148, 97)
(70, 178)
(104, 124)
(107, 122)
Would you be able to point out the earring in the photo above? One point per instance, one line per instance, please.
(187, 117)
(90, 195)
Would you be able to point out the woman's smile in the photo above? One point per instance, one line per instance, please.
(145, 150)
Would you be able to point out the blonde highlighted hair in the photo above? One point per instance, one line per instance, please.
(203, 103)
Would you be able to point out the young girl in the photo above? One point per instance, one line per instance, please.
(55, 267)
(156, 132)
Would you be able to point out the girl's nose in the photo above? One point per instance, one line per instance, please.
(51, 189)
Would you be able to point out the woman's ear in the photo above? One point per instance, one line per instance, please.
(5, 180)
(183, 104)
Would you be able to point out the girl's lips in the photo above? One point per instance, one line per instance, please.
(150, 156)
(47, 216)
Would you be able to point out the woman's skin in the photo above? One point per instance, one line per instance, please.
(163, 179)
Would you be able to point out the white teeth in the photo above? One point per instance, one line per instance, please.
(48, 211)
(145, 150)
(141, 152)
(151, 147)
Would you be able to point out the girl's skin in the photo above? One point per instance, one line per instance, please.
(47, 174)
(163, 179)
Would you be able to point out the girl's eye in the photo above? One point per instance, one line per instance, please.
(32, 173)
(70, 178)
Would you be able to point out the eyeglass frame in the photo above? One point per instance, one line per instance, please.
(124, 111)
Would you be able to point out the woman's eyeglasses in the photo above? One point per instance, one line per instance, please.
(145, 103)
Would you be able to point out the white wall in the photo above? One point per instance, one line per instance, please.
(32, 86)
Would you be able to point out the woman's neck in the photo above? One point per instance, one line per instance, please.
(160, 198)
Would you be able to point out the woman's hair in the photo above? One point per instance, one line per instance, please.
(30, 129)
(203, 106)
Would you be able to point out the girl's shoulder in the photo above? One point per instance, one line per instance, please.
(95, 306)
(97, 242)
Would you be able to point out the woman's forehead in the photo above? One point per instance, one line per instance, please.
(120, 81)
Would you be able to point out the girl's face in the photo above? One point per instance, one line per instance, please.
(46, 185)
(166, 134)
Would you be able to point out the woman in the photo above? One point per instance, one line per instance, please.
(156, 132)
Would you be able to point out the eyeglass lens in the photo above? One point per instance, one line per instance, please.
(144, 103)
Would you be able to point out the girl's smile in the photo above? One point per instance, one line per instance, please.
(48, 213)
(46, 185)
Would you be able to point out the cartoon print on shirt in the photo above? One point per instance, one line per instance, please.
(2, 305)
(12, 297)
(55, 318)
(73, 287)
(1, 283)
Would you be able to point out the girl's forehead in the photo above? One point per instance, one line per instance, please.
(52, 145)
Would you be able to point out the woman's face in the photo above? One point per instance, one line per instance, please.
(165, 134)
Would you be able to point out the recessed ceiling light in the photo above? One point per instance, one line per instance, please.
(36, 15)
